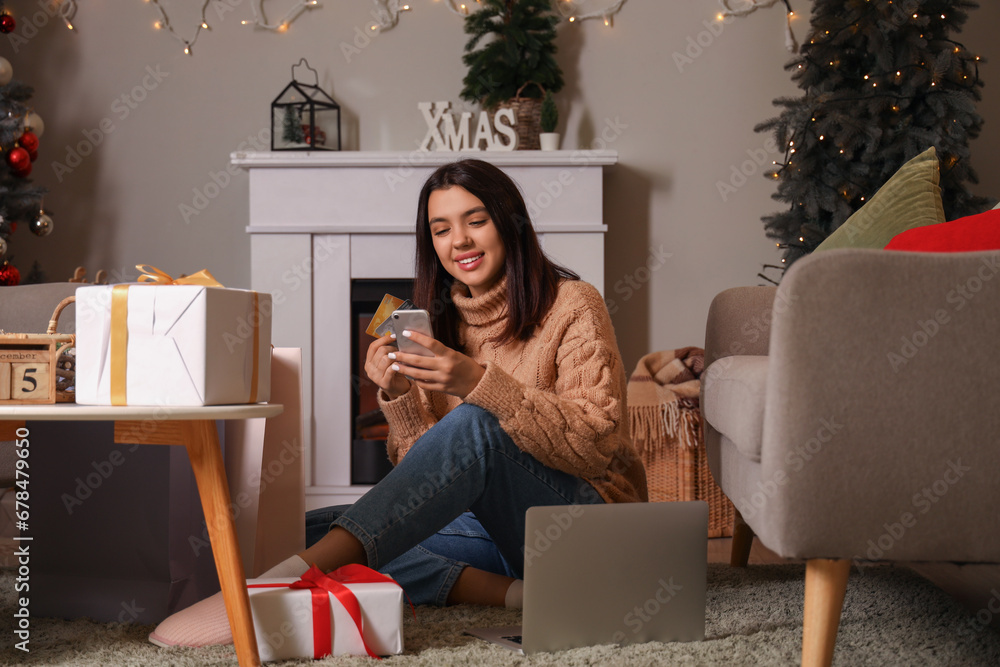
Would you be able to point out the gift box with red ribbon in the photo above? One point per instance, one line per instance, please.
(164, 341)
(353, 610)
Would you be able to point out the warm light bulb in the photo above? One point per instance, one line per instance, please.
(822, 137)
(187, 50)
(204, 26)
(157, 25)
(572, 19)
(283, 27)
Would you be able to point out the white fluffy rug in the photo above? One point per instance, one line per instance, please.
(754, 617)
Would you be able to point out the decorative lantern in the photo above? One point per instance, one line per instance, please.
(304, 118)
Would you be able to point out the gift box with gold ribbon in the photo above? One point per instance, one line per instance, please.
(353, 610)
(163, 341)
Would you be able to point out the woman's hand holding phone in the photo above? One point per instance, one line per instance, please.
(448, 371)
(378, 366)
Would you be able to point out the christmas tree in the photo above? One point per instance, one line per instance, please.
(291, 127)
(20, 202)
(884, 80)
(522, 50)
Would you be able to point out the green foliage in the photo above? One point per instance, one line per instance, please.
(880, 87)
(291, 127)
(512, 42)
(550, 114)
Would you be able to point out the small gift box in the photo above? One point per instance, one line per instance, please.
(185, 342)
(353, 610)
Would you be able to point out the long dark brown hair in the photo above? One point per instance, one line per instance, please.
(532, 278)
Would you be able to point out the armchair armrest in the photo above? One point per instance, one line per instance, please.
(882, 412)
(739, 322)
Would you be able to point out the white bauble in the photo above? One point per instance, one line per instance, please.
(34, 122)
(6, 71)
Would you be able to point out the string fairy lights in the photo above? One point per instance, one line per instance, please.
(750, 6)
(386, 12)
(164, 23)
(386, 15)
(281, 25)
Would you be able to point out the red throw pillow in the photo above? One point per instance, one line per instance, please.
(974, 232)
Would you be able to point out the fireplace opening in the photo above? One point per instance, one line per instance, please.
(369, 430)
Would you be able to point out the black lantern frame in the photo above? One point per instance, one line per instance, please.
(303, 116)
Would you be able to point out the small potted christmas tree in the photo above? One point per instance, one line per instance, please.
(516, 66)
(549, 138)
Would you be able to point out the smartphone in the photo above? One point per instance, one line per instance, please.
(414, 320)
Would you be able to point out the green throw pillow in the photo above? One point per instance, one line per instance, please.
(911, 198)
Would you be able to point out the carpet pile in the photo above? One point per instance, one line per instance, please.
(754, 617)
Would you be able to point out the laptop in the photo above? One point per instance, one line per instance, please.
(619, 573)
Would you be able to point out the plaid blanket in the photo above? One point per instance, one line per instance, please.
(663, 397)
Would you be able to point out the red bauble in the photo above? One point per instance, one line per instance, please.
(7, 24)
(9, 275)
(29, 141)
(33, 155)
(23, 173)
(19, 160)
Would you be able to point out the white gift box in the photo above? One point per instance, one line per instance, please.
(283, 620)
(187, 345)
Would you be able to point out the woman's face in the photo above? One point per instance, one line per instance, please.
(465, 239)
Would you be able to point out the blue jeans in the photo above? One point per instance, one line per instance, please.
(415, 525)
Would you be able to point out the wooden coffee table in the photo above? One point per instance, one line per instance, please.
(194, 428)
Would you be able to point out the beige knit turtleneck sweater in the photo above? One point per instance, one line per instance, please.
(560, 396)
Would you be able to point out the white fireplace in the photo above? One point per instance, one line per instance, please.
(320, 220)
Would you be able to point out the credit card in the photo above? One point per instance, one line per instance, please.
(380, 324)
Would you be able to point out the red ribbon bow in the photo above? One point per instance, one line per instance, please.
(322, 586)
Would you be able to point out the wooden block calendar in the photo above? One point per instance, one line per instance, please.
(28, 364)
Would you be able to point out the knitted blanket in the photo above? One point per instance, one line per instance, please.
(663, 397)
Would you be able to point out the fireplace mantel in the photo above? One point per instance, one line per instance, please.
(321, 219)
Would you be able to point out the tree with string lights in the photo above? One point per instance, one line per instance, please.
(884, 80)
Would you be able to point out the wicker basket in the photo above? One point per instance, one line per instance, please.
(528, 117)
(678, 472)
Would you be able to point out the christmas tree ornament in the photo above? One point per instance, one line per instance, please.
(42, 225)
(19, 160)
(33, 122)
(9, 275)
(6, 71)
(29, 142)
(7, 24)
(3, 246)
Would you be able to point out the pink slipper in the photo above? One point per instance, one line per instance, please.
(202, 624)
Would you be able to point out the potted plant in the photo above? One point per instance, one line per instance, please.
(511, 59)
(549, 138)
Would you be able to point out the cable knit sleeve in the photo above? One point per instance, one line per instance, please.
(408, 419)
(568, 427)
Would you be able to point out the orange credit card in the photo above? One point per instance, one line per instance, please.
(385, 309)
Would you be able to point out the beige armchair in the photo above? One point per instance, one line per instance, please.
(853, 414)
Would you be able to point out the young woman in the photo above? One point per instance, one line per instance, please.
(521, 404)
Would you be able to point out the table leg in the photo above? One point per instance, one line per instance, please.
(202, 442)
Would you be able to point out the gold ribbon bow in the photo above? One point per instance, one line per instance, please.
(151, 274)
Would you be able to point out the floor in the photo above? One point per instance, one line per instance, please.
(975, 586)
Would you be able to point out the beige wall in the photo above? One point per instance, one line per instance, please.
(682, 130)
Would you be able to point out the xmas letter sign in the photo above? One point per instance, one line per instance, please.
(455, 136)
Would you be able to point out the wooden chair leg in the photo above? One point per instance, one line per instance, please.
(826, 583)
(742, 541)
